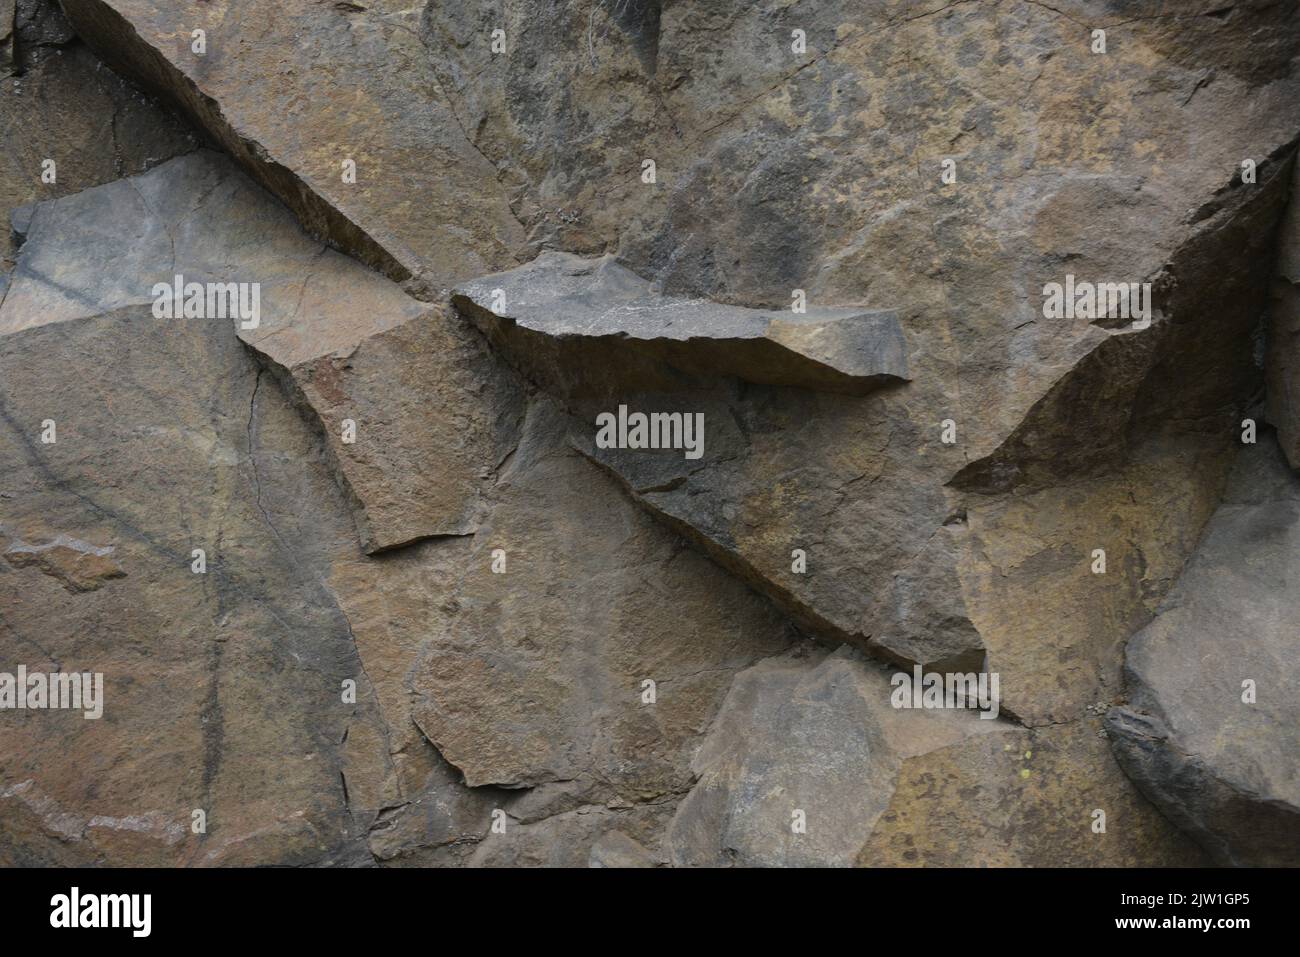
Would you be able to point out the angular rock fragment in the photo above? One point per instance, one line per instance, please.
(591, 325)
(431, 417)
(1212, 726)
(848, 482)
(418, 201)
(797, 768)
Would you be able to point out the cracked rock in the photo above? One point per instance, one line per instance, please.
(432, 415)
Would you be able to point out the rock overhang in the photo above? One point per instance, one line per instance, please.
(581, 306)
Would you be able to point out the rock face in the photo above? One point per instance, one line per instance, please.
(435, 640)
(809, 764)
(818, 802)
(61, 105)
(305, 443)
(423, 205)
(1212, 729)
(333, 329)
(538, 675)
(1283, 356)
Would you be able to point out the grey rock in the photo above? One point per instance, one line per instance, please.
(561, 315)
(802, 737)
(616, 849)
(885, 786)
(434, 414)
(424, 206)
(1223, 768)
(1282, 356)
(578, 838)
(66, 107)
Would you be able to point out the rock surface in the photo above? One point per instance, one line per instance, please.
(414, 631)
(365, 584)
(1283, 355)
(539, 674)
(424, 204)
(352, 346)
(562, 313)
(1212, 727)
(222, 689)
(59, 104)
(809, 764)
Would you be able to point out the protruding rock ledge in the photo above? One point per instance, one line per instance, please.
(582, 326)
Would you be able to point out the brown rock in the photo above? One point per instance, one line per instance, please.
(79, 565)
(425, 203)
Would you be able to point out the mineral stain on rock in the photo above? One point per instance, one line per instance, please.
(78, 565)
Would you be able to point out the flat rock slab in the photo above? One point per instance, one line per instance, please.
(584, 304)
(1221, 767)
